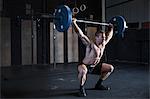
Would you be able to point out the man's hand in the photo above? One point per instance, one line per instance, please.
(110, 25)
(74, 20)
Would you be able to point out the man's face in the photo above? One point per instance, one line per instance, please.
(100, 38)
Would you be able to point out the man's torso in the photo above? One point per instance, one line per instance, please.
(93, 54)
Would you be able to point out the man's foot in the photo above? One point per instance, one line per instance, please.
(101, 87)
(82, 92)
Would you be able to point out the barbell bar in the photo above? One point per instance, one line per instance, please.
(91, 22)
(64, 15)
(63, 18)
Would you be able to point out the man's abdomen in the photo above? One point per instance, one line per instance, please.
(91, 61)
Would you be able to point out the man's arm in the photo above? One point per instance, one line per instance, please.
(109, 33)
(85, 40)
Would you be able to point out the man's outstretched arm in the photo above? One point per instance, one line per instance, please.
(109, 33)
(85, 40)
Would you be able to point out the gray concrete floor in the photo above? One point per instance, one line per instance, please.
(42, 81)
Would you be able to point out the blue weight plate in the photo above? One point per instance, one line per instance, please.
(119, 25)
(64, 15)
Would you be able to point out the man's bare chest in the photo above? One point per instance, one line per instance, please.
(95, 51)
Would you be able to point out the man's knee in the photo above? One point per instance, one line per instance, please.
(107, 68)
(82, 69)
(111, 68)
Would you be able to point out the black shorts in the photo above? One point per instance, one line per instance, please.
(95, 70)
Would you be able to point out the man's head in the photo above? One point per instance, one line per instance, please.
(100, 36)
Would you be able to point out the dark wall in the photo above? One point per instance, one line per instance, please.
(94, 7)
(91, 7)
(16, 10)
(13, 7)
(133, 47)
(18, 7)
(15, 41)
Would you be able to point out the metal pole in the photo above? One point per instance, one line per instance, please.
(54, 46)
(104, 20)
(103, 5)
(32, 37)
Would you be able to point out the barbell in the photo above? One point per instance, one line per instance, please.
(63, 19)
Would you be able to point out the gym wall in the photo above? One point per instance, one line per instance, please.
(72, 45)
(133, 10)
(26, 42)
(59, 46)
(134, 47)
(5, 41)
(91, 32)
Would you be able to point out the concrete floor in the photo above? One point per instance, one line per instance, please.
(42, 81)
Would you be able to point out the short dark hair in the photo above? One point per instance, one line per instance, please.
(99, 32)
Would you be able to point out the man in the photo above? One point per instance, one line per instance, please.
(93, 54)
